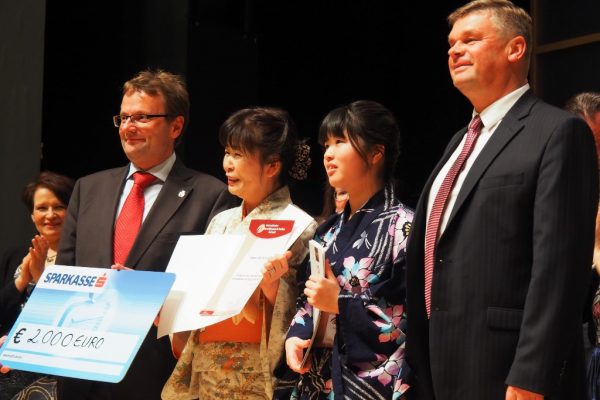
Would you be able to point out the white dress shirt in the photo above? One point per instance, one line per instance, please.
(491, 117)
(161, 171)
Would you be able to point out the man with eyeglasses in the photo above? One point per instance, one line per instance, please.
(174, 200)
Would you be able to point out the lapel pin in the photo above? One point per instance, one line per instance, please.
(181, 193)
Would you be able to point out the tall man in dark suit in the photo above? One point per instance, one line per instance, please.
(501, 243)
(153, 116)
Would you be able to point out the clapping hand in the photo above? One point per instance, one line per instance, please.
(33, 263)
(37, 256)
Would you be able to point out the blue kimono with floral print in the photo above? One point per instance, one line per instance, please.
(367, 255)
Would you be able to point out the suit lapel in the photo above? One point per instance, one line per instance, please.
(420, 222)
(173, 193)
(112, 189)
(511, 125)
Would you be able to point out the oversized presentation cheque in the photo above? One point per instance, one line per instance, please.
(85, 323)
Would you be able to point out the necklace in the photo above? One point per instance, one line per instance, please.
(50, 258)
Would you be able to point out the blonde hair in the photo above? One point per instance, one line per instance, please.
(584, 104)
(509, 18)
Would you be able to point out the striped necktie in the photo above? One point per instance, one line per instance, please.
(437, 210)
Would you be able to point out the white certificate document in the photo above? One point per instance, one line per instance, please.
(217, 274)
(317, 268)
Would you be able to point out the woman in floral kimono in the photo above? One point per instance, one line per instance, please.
(364, 287)
(234, 359)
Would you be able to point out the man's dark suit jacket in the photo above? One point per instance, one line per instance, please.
(186, 204)
(512, 267)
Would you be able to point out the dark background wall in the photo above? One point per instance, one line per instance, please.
(568, 48)
(21, 88)
(305, 56)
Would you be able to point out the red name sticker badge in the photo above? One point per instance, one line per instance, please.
(270, 228)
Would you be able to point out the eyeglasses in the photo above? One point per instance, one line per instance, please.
(136, 118)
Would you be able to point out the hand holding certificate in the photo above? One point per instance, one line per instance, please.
(317, 268)
(217, 274)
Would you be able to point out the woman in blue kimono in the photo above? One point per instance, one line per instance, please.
(364, 287)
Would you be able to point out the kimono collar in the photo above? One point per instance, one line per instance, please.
(275, 199)
(375, 200)
(384, 197)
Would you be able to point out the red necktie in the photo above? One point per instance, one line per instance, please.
(130, 218)
(437, 210)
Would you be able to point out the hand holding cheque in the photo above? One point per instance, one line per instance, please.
(85, 323)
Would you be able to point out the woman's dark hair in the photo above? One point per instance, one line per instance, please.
(60, 185)
(367, 123)
(268, 132)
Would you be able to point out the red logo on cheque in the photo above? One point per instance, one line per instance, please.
(270, 228)
(101, 281)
